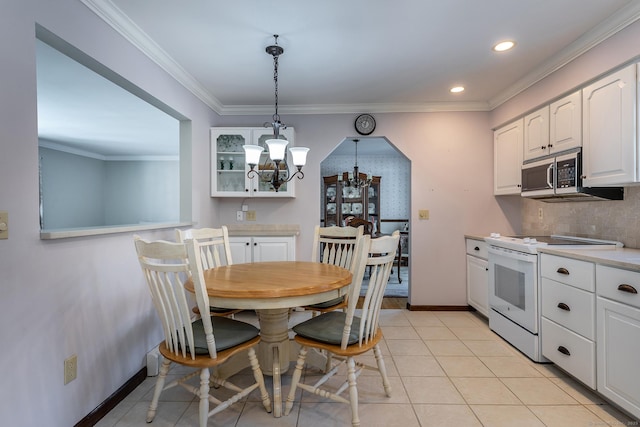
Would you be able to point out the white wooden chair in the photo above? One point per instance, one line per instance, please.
(215, 252)
(335, 245)
(345, 335)
(202, 344)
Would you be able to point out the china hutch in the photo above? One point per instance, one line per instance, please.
(342, 200)
(229, 169)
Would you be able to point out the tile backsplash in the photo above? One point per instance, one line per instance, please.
(613, 220)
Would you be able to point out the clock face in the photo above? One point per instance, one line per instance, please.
(365, 124)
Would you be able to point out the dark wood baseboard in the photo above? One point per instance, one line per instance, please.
(103, 409)
(437, 307)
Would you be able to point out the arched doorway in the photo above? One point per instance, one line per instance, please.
(377, 156)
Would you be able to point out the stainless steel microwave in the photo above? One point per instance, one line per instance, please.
(559, 179)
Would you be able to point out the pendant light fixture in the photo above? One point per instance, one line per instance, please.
(354, 179)
(276, 145)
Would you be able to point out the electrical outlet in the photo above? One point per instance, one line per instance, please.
(4, 225)
(239, 216)
(540, 214)
(70, 369)
(251, 215)
(423, 214)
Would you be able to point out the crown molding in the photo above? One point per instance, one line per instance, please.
(121, 23)
(427, 107)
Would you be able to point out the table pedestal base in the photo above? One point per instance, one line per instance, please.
(274, 352)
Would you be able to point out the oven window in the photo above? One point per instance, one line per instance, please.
(509, 285)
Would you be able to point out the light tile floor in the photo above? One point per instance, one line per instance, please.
(445, 368)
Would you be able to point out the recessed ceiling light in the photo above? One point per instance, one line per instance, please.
(457, 89)
(505, 45)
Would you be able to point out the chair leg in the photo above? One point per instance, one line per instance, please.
(257, 374)
(353, 391)
(295, 379)
(162, 376)
(204, 397)
(382, 369)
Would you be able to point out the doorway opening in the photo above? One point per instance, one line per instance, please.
(385, 203)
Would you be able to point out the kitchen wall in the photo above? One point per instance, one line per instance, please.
(612, 220)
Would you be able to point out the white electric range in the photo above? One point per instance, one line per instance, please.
(514, 294)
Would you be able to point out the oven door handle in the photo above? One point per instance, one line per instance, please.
(550, 176)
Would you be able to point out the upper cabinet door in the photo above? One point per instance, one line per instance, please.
(507, 159)
(228, 167)
(609, 130)
(565, 123)
(536, 133)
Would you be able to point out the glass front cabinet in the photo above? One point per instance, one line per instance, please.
(342, 201)
(229, 169)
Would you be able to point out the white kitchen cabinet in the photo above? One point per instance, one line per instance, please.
(507, 158)
(618, 336)
(477, 276)
(536, 133)
(246, 249)
(609, 130)
(565, 123)
(554, 128)
(229, 169)
(568, 312)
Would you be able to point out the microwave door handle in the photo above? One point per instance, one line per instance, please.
(550, 176)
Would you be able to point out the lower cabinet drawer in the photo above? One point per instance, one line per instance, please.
(570, 307)
(570, 351)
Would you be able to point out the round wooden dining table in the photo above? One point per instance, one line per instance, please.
(272, 289)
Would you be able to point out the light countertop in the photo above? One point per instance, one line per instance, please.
(618, 257)
(263, 229)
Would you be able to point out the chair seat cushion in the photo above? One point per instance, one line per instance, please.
(328, 304)
(227, 333)
(327, 328)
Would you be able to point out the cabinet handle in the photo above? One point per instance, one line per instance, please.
(247, 244)
(583, 176)
(543, 147)
(562, 349)
(550, 145)
(563, 306)
(255, 244)
(627, 288)
(476, 248)
(562, 270)
(246, 189)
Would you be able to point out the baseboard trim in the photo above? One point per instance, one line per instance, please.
(112, 401)
(437, 307)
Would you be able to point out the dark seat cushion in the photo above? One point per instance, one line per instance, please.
(327, 328)
(227, 333)
(328, 304)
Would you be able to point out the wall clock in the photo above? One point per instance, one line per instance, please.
(365, 124)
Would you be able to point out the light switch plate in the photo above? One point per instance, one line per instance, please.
(4, 225)
(423, 214)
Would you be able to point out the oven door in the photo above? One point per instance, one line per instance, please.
(513, 283)
(538, 178)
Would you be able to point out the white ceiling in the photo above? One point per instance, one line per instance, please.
(362, 55)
